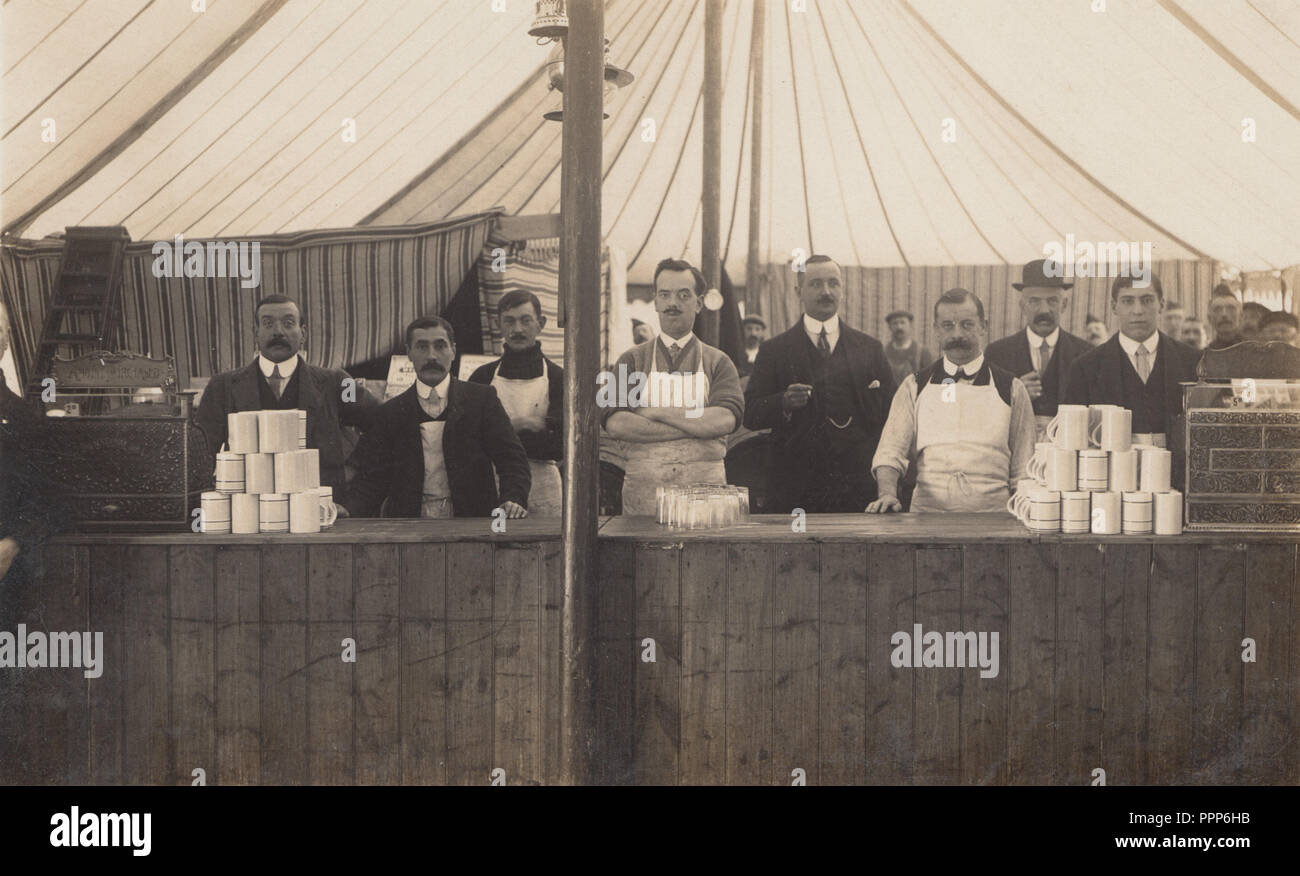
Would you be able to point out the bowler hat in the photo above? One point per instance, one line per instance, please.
(1035, 274)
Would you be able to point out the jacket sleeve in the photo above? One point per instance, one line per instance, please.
(885, 393)
(360, 412)
(373, 460)
(211, 415)
(505, 451)
(763, 394)
(1076, 384)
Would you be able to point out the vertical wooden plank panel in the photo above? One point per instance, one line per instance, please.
(1172, 621)
(1127, 568)
(937, 703)
(422, 607)
(1268, 740)
(238, 666)
(617, 651)
(549, 657)
(704, 664)
(378, 667)
(469, 663)
(1079, 663)
(148, 756)
(796, 587)
(285, 733)
(1291, 754)
(984, 700)
(842, 642)
(1220, 607)
(193, 639)
(57, 739)
(330, 680)
(749, 664)
(516, 676)
(1031, 659)
(891, 607)
(658, 684)
(107, 613)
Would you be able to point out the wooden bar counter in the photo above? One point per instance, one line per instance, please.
(750, 655)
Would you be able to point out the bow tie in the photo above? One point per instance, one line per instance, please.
(962, 375)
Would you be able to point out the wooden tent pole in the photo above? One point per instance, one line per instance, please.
(711, 226)
(756, 61)
(580, 285)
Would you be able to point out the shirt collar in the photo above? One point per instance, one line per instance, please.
(1036, 340)
(971, 368)
(1130, 346)
(422, 389)
(287, 367)
(814, 327)
(681, 342)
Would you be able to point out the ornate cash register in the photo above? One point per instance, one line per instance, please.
(119, 449)
(1242, 437)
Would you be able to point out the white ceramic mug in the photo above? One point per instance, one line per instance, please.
(1137, 513)
(1018, 505)
(1036, 468)
(1093, 470)
(1062, 471)
(1155, 466)
(1076, 511)
(1045, 511)
(329, 512)
(1069, 428)
(1124, 470)
(244, 513)
(1114, 431)
(304, 511)
(1168, 513)
(1106, 513)
(273, 512)
(214, 512)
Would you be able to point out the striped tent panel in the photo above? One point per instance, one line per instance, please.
(357, 288)
(872, 293)
(533, 266)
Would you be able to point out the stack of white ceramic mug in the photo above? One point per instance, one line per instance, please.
(1089, 477)
(266, 479)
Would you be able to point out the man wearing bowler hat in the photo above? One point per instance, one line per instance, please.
(1041, 353)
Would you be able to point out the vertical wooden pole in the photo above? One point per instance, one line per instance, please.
(580, 285)
(756, 62)
(711, 226)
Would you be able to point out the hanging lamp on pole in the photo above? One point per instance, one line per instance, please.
(616, 77)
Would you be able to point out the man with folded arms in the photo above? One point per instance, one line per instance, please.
(966, 424)
(1040, 354)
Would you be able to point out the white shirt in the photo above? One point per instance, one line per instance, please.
(814, 329)
(1036, 345)
(680, 342)
(423, 389)
(1130, 347)
(971, 368)
(287, 367)
(751, 355)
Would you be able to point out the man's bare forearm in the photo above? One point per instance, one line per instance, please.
(887, 481)
(631, 426)
(714, 422)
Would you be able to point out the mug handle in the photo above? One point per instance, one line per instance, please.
(1037, 468)
(1094, 435)
(330, 513)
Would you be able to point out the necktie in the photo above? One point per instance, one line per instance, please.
(435, 403)
(823, 343)
(1143, 362)
(276, 381)
(673, 352)
(1044, 357)
(961, 375)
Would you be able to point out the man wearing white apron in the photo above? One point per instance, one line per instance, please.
(531, 388)
(672, 399)
(966, 424)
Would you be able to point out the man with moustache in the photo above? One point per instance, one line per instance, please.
(431, 450)
(676, 437)
(755, 334)
(1097, 331)
(1140, 368)
(964, 423)
(1225, 317)
(823, 389)
(1041, 353)
(904, 354)
(281, 379)
(531, 389)
(1253, 315)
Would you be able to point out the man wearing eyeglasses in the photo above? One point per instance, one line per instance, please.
(673, 399)
(964, 423)
(823, 389)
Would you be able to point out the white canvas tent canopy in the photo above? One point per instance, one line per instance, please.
(946, 141)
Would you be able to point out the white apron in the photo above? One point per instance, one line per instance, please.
(530, 397)
(962, 448)
(437, 489)
(677, 463)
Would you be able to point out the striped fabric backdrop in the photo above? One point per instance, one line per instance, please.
(357, 287)
(534, 266)
(871, 293)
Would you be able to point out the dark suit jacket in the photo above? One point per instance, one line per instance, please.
(25, 496)
(1012, 353)
(320, 394)
(787, 359)
(1096, 377)
(477, 437)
